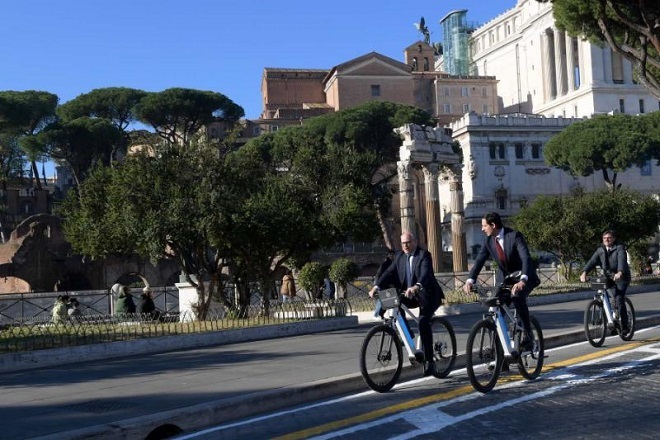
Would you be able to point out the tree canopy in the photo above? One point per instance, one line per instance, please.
(178, 115)
(605, 143)
(24, 115)
(631, 29)
(570, 227)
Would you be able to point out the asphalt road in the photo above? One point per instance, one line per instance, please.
(128, 397)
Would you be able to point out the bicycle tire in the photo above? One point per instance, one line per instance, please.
(530, 363)
(595, 323)
(631, 321)
(444, 346)
(381, 358)
(484, 356)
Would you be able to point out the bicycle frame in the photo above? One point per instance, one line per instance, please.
(398, 319)
(501, 314)
(603, 295)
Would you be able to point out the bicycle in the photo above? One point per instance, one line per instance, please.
(381, 354)
(600, 317)
(497, 338)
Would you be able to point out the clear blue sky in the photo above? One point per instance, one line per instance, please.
(70, 47)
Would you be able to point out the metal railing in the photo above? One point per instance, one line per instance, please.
(40, 333)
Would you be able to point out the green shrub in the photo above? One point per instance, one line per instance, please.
(311, 276)
(343, 271)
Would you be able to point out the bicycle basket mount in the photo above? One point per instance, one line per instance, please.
(389, 298)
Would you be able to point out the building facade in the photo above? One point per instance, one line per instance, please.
(543, 70)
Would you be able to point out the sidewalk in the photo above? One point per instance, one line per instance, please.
(127, 397)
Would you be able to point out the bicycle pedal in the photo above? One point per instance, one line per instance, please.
(419, 356)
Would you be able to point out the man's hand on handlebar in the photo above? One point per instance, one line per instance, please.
(467, 287)
(411, 291)
(520, 285)
(373, 291)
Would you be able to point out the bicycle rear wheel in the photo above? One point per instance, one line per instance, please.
(484, 356)
(595, 323)
(444, 346)
(530, 362)
(631, 321)
(381, 358)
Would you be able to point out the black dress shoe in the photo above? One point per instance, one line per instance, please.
(429, 369)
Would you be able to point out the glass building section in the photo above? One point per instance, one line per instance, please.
(456, 34)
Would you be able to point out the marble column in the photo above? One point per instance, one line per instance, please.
(570, 62)
(549, 86)
(433, 236)
(406, 196)
(560, 62)
(459, 244)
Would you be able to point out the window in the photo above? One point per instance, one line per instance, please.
(256, 130)
(375, 90)
(274, 128)
(520, 151)
(484, 92)
(414, 66)
(536, 151)
(447, 108)
(448, 92)
(497, 151)
(464, 91)
(502, 151)
(466, 108)
(617, 68)
(641, 106)
(486, 109)
(622, 106)
(426, 64)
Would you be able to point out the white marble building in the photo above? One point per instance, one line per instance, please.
(546, 81)
(542, 70)
(504, 169)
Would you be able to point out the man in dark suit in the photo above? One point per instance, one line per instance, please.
(412, 271)
(613, 259)
(509, 249)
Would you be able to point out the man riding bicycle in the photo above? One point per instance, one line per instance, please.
(509, 249)
(412, 270)
(612, 258)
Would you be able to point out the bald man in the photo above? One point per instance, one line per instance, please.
(412, 272)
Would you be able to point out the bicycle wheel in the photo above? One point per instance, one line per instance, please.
(444, 346)
(381, 358)
(484, 356)
(595, 324)
(530, 362)
(631, 321)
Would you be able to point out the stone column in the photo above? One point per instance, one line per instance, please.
(406, 196)
(459, 244)
(570, 63)
(433, 236)
(560, 62)
(548, 66)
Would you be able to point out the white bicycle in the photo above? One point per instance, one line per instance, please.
(497, 337)
(381, 355)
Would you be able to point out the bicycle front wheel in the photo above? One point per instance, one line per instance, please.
(381, 358)
(530, 362)
(484, 356)
(444, 346)
(631, 321)
(595, 323)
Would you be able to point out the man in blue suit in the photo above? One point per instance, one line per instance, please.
(509, 249)
(412, 271)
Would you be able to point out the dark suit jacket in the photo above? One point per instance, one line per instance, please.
(422, 272)
(517, 258)
(617, 260)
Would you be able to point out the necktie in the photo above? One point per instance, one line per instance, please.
(409, 271)
(500, 251)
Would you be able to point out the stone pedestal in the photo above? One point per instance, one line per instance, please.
(188, 297)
